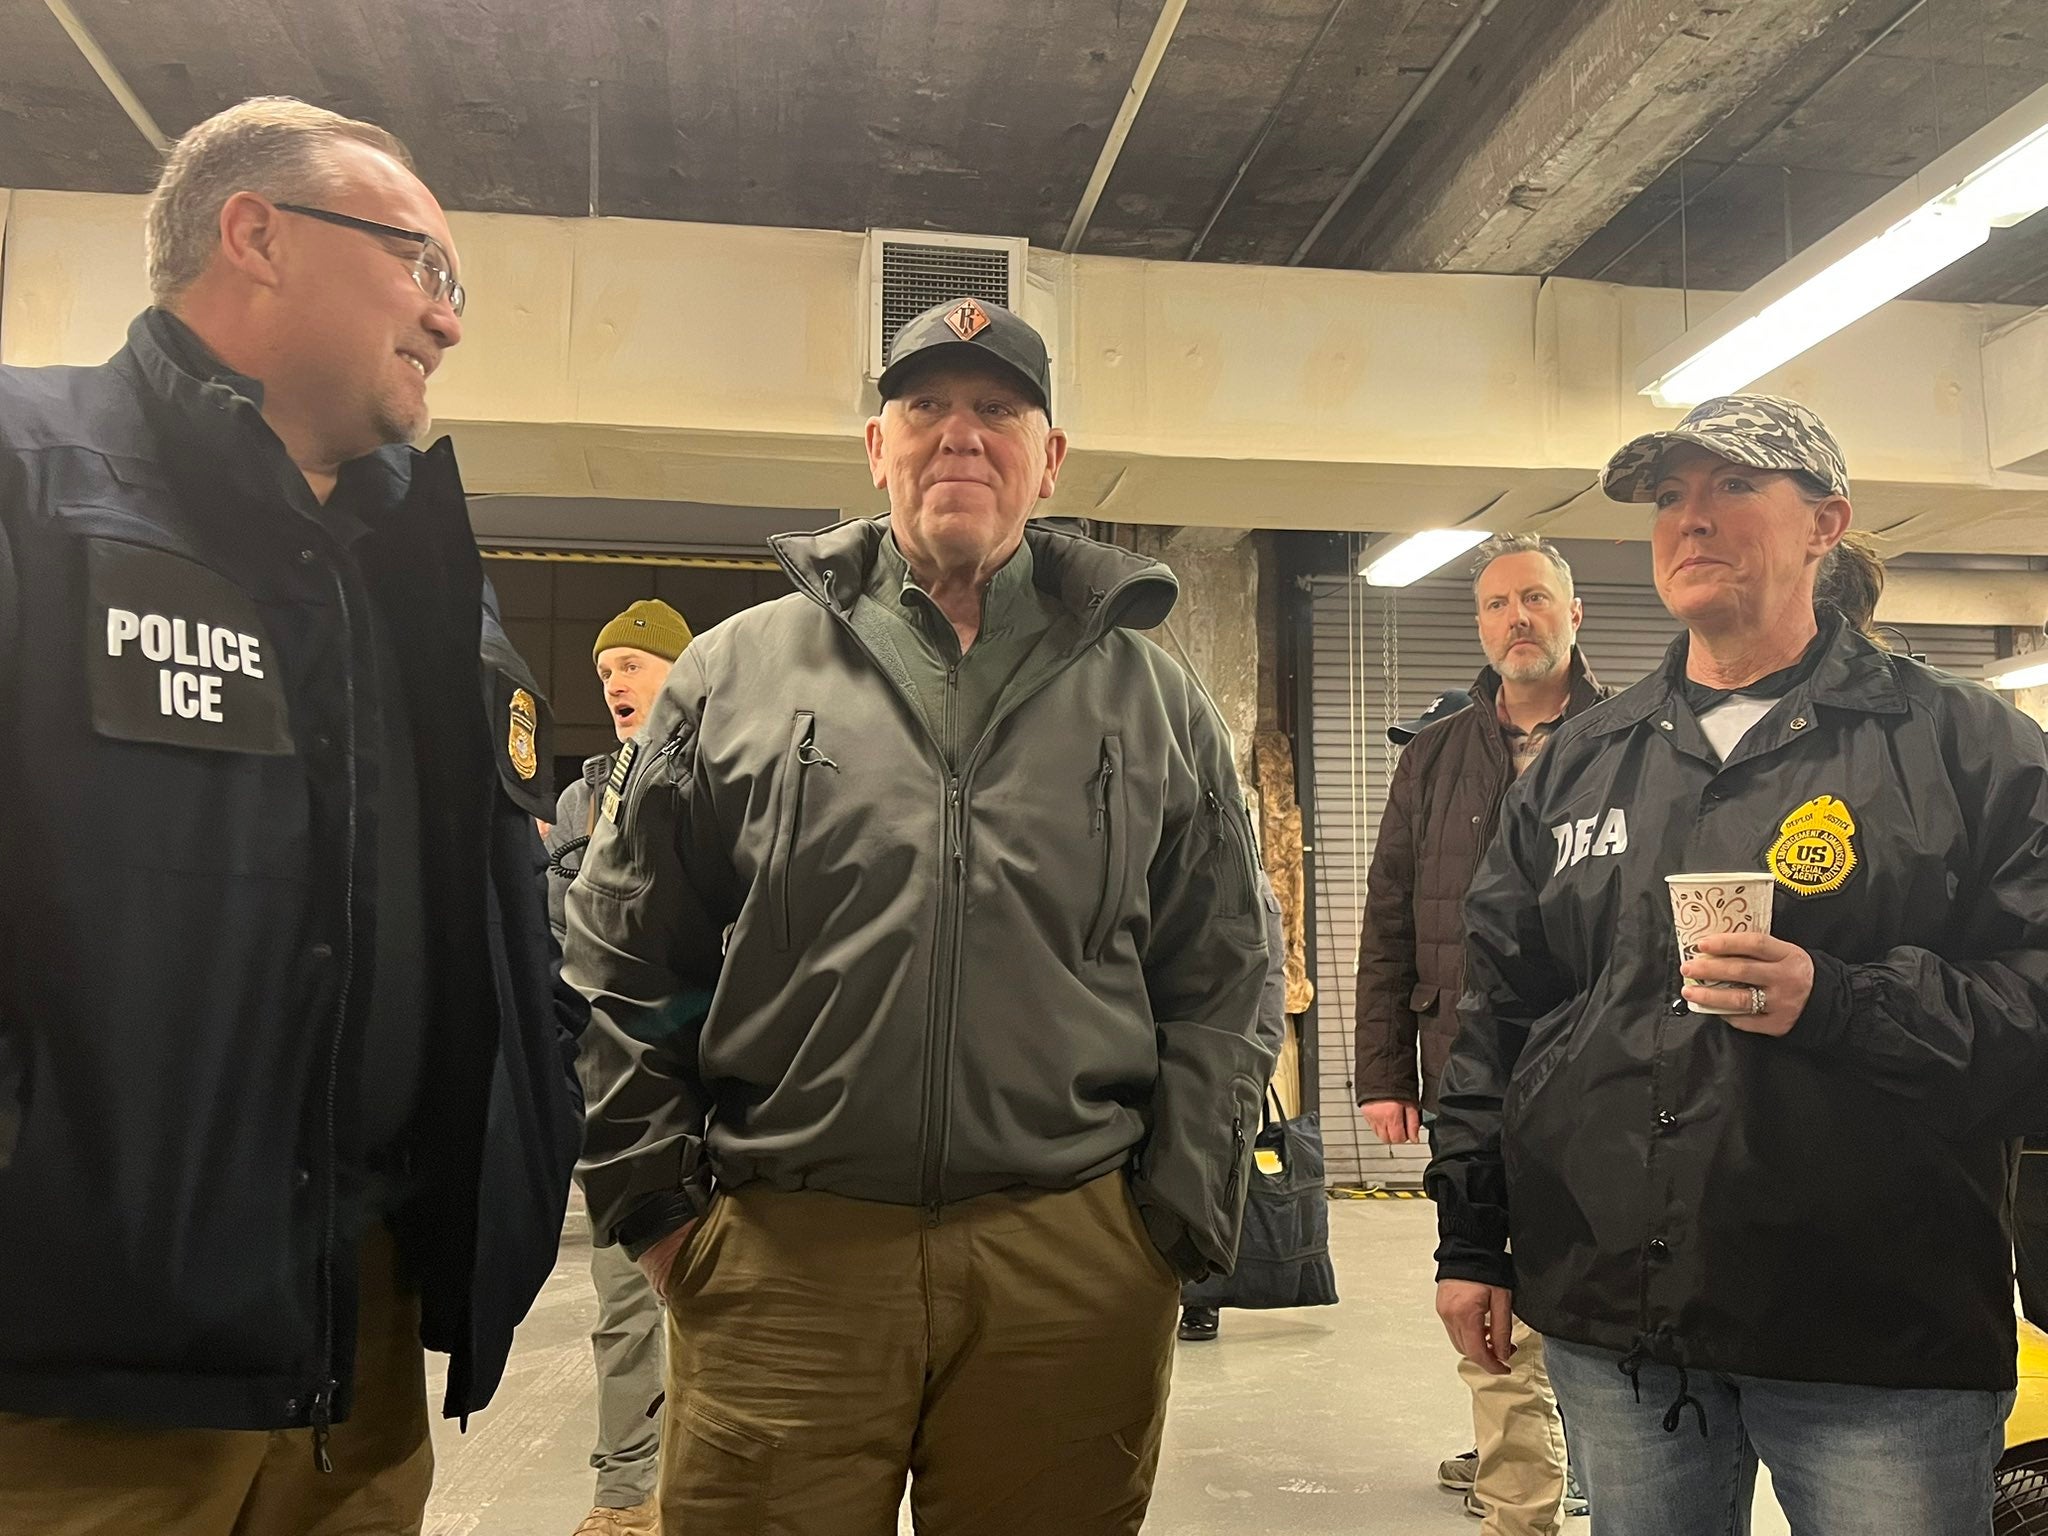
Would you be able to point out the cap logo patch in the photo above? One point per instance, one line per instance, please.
(519, 739)
(967, 319)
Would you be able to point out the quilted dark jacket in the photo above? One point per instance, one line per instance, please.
(1441, 811)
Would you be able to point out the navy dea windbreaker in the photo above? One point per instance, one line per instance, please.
(1825, 1206)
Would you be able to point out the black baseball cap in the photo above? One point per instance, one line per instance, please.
(1442, 707)
(971, 327)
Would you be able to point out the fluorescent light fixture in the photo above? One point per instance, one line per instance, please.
(1992, 180)
(2012, 187)
(2015, 672)
(1910, 252)
(1409, 560)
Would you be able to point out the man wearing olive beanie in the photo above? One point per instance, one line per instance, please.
(650, 626)
(633, 654)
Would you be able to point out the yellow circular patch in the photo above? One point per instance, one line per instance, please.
(1816, 848)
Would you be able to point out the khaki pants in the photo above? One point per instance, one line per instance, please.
(1011, 1358)
(1521, 1443)
(627, 1347)
(71, 1477)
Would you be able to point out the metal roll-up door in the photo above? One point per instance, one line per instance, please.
(1366, 671)
(1959, 648)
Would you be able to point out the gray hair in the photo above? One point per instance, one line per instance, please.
(271, 145)
(1501, 545)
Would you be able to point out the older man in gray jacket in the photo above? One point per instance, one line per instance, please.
(976, 1078)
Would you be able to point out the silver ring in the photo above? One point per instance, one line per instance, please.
(1759, 1001)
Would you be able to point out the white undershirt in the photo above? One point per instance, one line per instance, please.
(1729, 721)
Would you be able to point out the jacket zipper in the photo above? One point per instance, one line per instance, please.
(1237, 885)
(1236, 1158)
(945, 991)
(945, 961)
(952, 718)
(322, 1408)
(1109, 827)
(803, 757)
(952, 899)
(945, 1004)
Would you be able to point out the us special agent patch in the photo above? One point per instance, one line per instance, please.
(525, 722)
(1816, 848)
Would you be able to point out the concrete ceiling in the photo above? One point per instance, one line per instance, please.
(1839, 125)
(1552, 143)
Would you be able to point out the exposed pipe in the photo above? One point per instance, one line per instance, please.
(1127, 114)
(1790, 112)
(110, 77)
(1401, 120)
(596, 114)
(1287, 94)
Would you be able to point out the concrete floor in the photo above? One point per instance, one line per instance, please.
(1325, 1422)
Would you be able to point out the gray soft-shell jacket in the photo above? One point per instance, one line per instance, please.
(569, 834)
(1033, 972)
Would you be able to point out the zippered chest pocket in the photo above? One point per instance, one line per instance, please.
(1110, 828)
(1234, 860)
(800, 760)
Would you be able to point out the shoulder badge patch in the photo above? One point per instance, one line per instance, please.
(1816, 848)
(519, 741)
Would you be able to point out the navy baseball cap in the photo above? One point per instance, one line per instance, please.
(971, 327)
(1442, 707)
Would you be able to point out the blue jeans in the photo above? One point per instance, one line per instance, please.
(1845, 1461)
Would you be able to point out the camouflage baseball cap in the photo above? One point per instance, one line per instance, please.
(1762, 431)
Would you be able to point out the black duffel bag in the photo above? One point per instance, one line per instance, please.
(1283, 1257)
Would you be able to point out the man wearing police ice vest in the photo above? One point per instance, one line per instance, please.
(286, 1071)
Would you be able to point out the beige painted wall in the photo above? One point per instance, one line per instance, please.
(2016, 382)
(621, 358)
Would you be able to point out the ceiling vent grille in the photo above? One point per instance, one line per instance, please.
(911, 270)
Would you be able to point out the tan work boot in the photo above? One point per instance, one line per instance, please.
(640, 1520)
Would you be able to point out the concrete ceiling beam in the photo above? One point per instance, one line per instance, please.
(1199, 539)
(2016, 395)
(607, 359)
(1586, 120)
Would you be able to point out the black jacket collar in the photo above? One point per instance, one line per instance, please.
(208, 422)
(1853, 674)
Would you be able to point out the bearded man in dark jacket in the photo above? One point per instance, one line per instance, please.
(1442, 808)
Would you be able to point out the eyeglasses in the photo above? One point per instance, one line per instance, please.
(431, 269)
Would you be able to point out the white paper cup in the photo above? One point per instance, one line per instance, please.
(1723, 903)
